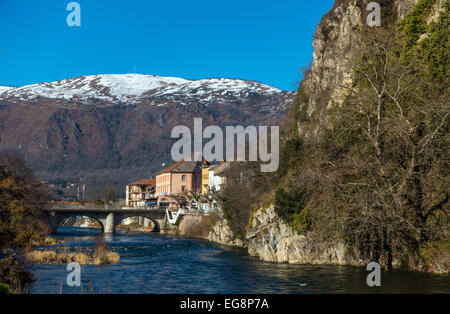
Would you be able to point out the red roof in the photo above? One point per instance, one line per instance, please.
(185, 165)
(145, 182)
(170, 168)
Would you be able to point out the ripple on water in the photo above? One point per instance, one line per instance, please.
(153, 263)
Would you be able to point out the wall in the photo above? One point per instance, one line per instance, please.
(194, 225)
(163, 183)
(178, 183)
(205, 180)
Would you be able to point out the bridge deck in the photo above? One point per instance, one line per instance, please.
(91, 209)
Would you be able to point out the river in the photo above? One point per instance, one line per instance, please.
(153, 263)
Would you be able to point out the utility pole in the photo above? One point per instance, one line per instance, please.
(84, 190)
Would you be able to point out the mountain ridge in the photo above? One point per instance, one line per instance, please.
(114, 129)
(129, 88)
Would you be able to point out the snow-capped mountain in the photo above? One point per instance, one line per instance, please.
(5, 89)
(115, 128)
(133, 88)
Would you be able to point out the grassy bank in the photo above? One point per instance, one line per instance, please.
(82, 258)
(100, 256)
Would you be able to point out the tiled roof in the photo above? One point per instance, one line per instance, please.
(220, 168)
(183, 166)
(170, 168)
(145, 182)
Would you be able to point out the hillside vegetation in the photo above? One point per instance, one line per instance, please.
(22, 221)
(376, 174)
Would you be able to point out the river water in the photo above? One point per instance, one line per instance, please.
(153, 263)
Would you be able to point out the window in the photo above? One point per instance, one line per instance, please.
(183, 189)
(183, 178)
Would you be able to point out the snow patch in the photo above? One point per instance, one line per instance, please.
(5, 89)
(130, 88)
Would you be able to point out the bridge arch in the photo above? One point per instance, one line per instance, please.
(108, 218)
(56, 221)
(118, 218)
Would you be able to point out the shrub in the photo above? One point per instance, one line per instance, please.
(303, 221)
(289, 203)
(414, 24)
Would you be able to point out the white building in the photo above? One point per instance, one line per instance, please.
(217, 178)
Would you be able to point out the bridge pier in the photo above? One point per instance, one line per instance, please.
(109, 223)
(52, 222)
(161, 225)
(53, 227)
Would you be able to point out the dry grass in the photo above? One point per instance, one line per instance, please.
(42, 256)
(106, 257)
(47, 241)
(82, 258)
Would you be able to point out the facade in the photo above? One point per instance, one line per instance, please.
(205, 178)
(217, 175)
(217, 178)
(178, 178)
(138, 192)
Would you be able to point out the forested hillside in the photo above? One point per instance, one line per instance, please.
(365, 153)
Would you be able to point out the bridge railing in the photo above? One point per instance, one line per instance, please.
(100, 208)
(54, 207)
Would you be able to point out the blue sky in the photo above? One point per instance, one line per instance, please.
(266, 41)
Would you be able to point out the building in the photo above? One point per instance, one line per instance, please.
(180, 177)
(137, 193)
(218, 175)
(205, 177)
(217, 179)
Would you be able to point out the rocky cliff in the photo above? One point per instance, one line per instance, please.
(334, 43)
(327, 82)
(221, 233)
(272, 240)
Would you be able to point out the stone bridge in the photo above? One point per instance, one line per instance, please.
(108, 217)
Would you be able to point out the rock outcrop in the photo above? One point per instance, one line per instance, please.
(193, 225)
(221, 233)
(272, 240)
(330, 76)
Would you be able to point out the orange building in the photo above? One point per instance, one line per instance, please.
(205, 178)
(179, 177)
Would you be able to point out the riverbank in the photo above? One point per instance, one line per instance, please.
(269, 239)
(155, 263)
(191, 225)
